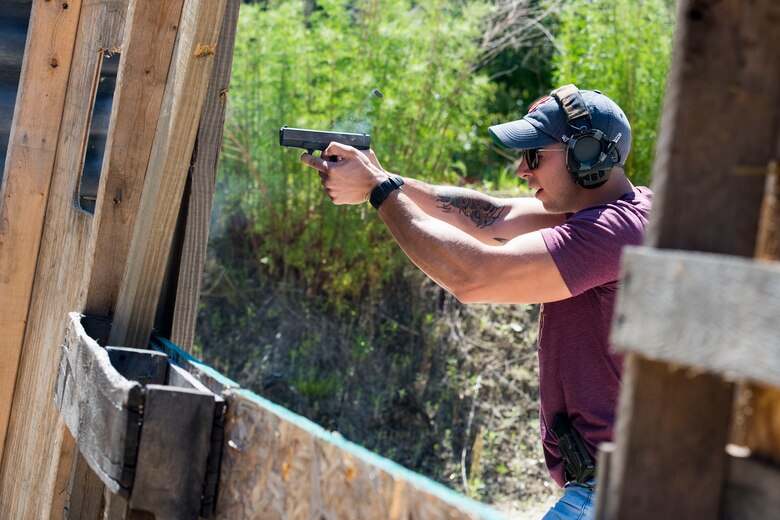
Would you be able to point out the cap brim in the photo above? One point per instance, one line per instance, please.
(520, 134)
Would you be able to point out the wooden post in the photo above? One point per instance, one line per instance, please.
(141, 80)
(204, 177)
(673, 426)
(32, 147)
(168, 168)
(759, 418)
(34, 439)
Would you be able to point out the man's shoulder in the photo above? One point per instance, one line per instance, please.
(632, 206)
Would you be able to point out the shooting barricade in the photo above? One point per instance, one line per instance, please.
(697, 317)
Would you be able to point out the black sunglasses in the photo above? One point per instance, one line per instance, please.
(531, 157)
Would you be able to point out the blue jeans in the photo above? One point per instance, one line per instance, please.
(577, 503)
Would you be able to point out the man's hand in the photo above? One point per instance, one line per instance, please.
(351, 177)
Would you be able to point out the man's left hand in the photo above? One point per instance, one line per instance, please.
(350, 177)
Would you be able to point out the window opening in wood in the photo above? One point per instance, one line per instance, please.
(98, 130)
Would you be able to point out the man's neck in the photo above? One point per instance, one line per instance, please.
(617, 186)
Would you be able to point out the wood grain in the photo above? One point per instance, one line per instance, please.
(32, 146)
(141, 81)
(98, 405)
(760, 417)
(719, 114)
(204, 177)
(672, 423)
(28, 475)
(167, 173)
(279, 465)
(723, 78)
(715, 313)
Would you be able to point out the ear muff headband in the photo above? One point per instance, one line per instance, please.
(590, 156)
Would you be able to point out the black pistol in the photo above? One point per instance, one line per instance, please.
(311, 140)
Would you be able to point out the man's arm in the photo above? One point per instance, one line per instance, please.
(491, 220)
(519, 271)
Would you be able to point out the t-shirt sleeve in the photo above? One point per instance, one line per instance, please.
(587, 247)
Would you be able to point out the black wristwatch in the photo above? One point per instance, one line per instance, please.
(383, 189)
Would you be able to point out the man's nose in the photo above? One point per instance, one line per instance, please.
(522, 169)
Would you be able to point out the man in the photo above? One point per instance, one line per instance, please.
(560, 248)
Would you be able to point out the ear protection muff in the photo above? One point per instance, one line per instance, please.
(590, 155)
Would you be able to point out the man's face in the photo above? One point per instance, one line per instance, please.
(552, 182)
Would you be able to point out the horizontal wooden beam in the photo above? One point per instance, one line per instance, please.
(693, 309)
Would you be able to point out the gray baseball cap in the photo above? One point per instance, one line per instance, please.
(545, 124)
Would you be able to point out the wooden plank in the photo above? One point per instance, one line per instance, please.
(668, 420)
(33, 443)
(720, 114)
(83, 485)
(141, 80)
(168, 167)
(172, 454)
(606, 450)
(751, 489)
(723, 81)
(203, 180)
(100, 407)
(712, 312)
(28, 170)
(279, 465)
(759, 419)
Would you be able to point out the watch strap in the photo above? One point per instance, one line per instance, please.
(383, 189)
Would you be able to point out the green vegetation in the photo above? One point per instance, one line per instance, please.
(623, 48)
(313, 305)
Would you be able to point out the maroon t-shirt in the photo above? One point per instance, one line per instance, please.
(578, 374)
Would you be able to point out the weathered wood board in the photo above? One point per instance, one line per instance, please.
(154, 444)
(719, 119)
(30, 468)
(724, 77)
(97, 414)
(279, 465)
(714, 313)
(28, 171)
(171, 465)
(190, 70)
(685, 428)
(141, 79)
(202, 183)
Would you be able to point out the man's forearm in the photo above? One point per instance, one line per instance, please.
(470, 211)
(491, 220)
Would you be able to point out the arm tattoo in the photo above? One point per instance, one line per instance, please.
(481, 212)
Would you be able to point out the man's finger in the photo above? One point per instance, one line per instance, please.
(315, 162)
(342, 150)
